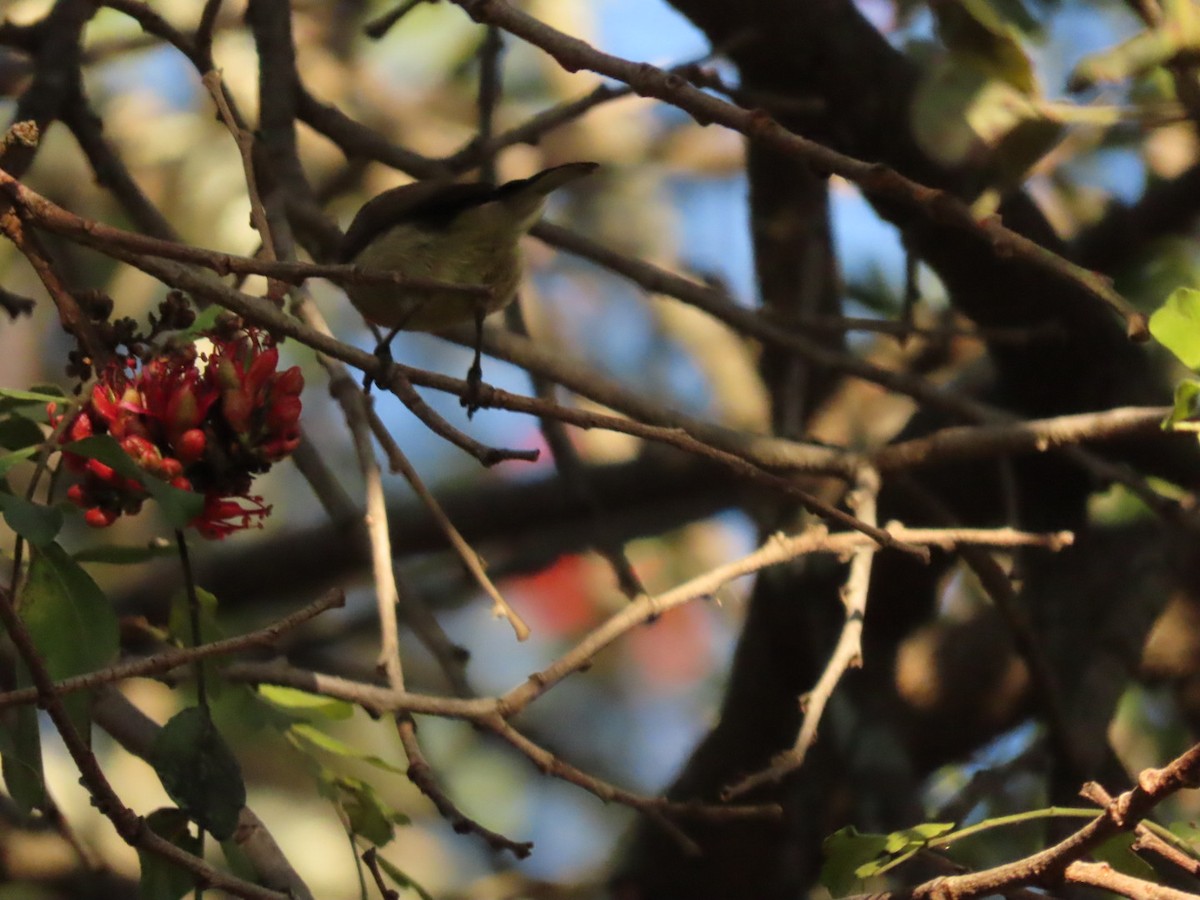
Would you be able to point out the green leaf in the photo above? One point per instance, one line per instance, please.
(125, 555)
(961, 111)
(48, 394)
(160, 879)
(8, 460)
(1187, 832)
(37, 523)
(1178, 33)
(205, 320)
(199, 771)
(1186, 406)
(974, 29)
(846, 851)
(917, 836)
(180, 507)
(303, 701)
(1117, 851)
(400, 879)
(366, 813)
(19, 432)
(71, 622)
(307, 733)
(21, 749)
(1176, 325)
(179, 620)
(903, 844)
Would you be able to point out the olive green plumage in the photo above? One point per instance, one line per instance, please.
(459, 233)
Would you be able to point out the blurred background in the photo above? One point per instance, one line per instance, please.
(670, 192)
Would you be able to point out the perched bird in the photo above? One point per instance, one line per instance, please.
(460, 233)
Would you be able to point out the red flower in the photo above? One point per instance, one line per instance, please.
(200, 423)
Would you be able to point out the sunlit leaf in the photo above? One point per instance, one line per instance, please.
(303, 701)
(917, 836)
(961, 112)
(319, 739)
(1176, 325)
(199, 771)
(846, 851)
(1144, 51)
(1186, 405)
(161, 879)
(975, 29)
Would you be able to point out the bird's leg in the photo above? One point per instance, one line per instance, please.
(475, 374)
(383, 352)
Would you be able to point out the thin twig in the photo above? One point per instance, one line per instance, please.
(875, 179)
(398, 462)
(105, 238)
(161, 663)
(1047, 867)
(245, 143)
(847, 652)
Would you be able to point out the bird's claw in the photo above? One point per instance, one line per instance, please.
(383, 353)
(472, 398)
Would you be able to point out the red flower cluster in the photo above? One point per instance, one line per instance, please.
(202, 422)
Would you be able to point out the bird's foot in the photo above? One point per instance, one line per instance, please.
(472, 398)
(383, 353)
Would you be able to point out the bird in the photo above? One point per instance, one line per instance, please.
(461, 233)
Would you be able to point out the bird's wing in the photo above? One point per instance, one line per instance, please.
(432, 203)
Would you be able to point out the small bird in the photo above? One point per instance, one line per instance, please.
(459, 233)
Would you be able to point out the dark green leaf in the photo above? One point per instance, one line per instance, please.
(400, 879)
(1176, 325)
(846, 851)
(37, 523)
(160, 879)
(199, 771)
(19, 432)
(71, 622)
(366, 813)
(179, 620)
(180, 507)
(21, 749)
(1118, 852)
